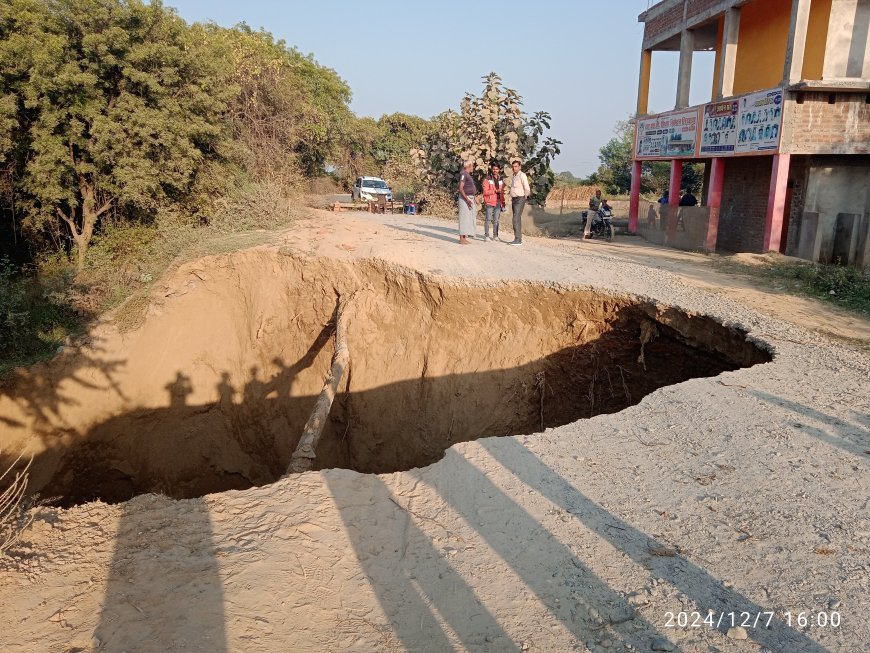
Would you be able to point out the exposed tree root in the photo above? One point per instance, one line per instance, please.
(14, 504)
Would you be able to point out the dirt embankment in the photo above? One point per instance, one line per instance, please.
(212, 392)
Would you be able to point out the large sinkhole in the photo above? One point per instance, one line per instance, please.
(432, 362)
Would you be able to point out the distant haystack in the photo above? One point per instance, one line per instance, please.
(570, 197)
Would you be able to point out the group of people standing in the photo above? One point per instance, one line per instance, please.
(494, 186)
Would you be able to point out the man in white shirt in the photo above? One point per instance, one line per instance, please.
(520, 192)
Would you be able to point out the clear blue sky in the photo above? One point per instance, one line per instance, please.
(577, 59)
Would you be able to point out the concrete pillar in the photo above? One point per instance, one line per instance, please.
(676, 182)
(728, 55)
(643, 83)
(634, 198)
(684, 76)
(847, 50)
(776, 203)
(796, 41)
(714, 202)
(672, 209)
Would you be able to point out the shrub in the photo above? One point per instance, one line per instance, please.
(840, 284)
(37, 314)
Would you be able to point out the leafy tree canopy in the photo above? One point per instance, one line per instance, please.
(119, 107)
(118, 103)
(492, 126)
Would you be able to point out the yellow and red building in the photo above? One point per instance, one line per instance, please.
(785, 136)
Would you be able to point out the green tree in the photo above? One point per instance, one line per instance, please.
(568, 178)
(357, 153)
(119, 104)
(399, 134)
(614, 173)
(328, 98)
(693, 177)
(490, 127)
(381, 147)
(289, 112)
(656, 177)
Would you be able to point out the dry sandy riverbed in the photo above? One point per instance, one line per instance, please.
(744, 492)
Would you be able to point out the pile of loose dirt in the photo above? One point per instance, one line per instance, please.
(213, 391)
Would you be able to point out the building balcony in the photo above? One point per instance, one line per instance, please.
(801, 45)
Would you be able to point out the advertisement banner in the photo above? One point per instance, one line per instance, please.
(671, 135)
(719, 128)
(759, 121)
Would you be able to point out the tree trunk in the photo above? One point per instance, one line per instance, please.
(90, 215)
(83, 240)
(81, 252)
(303, 457)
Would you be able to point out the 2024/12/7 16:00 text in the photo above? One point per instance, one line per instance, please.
(750, 619)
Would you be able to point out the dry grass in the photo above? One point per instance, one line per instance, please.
(571, 197)
(571, 193)
(130, 314)
(438, 202)
(324, 186)
(124, 267)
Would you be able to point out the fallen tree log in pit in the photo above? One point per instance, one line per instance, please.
(303, 457)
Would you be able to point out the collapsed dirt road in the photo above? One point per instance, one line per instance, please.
(741, 489)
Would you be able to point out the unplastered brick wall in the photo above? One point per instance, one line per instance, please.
(817, 126)
(669, 18)
(664, 23)
(697, 7)
(744, 204)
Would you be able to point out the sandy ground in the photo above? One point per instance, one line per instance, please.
(712, 503)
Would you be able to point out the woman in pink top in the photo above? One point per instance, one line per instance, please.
(493, 199)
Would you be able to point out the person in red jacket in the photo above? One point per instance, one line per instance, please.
(493, 199)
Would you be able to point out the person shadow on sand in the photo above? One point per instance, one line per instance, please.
(179, 390)
(163, 594)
